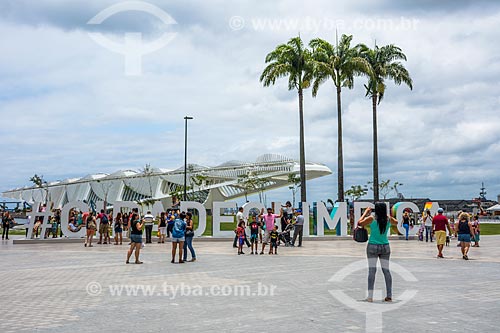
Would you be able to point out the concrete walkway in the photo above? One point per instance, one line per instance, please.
(317, 288)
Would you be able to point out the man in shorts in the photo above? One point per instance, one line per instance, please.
(439, 225)
(103, 227)
(269, 219)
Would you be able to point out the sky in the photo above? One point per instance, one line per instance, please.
(69, 106)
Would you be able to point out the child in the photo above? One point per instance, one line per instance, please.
(421, 232)
(240, 232)
(274, 240)
(54, 227)
(254, 234)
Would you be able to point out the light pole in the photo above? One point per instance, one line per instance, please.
(186, 118)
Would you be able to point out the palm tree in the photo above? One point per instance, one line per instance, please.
(341, 63)
(384, 64)
(292, 60)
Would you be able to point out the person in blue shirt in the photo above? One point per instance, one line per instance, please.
(178, 236)
(378, 246)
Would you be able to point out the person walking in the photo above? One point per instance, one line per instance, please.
(178, 236)
(148, 224)
(465, 230)
(439, 225)
(378, 247)
(135, 238)
(189, 235)
(298, 227)
(91, 227)
(428, 225)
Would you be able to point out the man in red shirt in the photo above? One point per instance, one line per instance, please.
(439, 225)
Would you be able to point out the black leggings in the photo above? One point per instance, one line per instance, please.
(5, 230)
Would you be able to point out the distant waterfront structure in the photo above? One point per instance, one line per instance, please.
(206, 185)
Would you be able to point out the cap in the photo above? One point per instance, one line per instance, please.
(440, 210)
(298, 210)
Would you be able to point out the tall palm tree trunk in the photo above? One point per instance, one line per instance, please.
(340, 155)
(375, 149)
(302, 149)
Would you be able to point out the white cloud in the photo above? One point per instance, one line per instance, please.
(71, 111)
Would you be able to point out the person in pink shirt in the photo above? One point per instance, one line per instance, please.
(269, 220)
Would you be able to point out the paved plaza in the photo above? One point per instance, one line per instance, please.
(316, 288)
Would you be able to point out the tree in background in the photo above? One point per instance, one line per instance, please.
(356, 192)
(340, 63)
(384, 65)
(386, 187)
(292, 60)
(39, 182)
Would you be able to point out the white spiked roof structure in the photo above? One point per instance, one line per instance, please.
(205, 184)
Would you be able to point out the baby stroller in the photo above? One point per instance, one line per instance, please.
(284, 236)
(421, 231)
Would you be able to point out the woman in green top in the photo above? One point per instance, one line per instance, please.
(378, 246)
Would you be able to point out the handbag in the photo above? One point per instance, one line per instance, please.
(360, 235)
(189, 233)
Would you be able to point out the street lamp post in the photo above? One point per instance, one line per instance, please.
(186, 118)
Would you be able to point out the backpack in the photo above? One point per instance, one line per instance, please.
(179, 227)
(104, 218)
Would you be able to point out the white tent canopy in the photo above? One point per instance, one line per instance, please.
(495, 208)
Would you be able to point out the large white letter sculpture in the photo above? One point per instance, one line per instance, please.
(400, 208)
(202, 215)
(358, 206)
(80, 205)
(339, 212)
(217, 219)
(305, 213)
(45, 219)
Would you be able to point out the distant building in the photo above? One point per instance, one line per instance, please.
(205, 184)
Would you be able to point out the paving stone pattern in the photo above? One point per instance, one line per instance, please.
(66, 288)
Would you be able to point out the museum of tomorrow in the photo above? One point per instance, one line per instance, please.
(205, 184)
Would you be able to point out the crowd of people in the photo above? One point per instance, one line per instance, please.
(173, 224)
(179, 227)
(435, 227)
(264, 230)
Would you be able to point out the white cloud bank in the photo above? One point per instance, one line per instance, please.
(68, 109)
